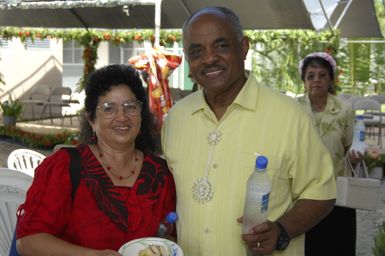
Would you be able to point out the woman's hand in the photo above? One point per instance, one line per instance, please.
(355, 156)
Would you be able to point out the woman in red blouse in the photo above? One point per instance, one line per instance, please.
(125, 189)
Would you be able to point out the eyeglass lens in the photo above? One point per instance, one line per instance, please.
(313, 76)
(110, 109)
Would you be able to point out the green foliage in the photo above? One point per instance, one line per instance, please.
(379, 242)
(357, 64)
(11, 107)
(278, 52)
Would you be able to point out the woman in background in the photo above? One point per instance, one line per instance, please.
(334, 119)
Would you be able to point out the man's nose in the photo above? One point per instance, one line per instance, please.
(210, 56)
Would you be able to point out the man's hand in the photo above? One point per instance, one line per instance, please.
(262, 238)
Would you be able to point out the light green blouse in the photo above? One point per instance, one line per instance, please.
(335, 126)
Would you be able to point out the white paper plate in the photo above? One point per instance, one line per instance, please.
(133, 247)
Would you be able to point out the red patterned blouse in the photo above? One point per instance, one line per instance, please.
(101, 215)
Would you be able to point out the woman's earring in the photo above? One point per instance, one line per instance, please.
(93, 136)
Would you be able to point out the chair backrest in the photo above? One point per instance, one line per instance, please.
(41, 92)
(367, 104)
(60, 94)
(59, 146)
(25, 160)
(13, 187)
(344, 96)
(353, 99)
(379, 98)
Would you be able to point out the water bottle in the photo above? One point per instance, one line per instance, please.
(359, 130)
(359, 136)
(257, 196)
(166, 226)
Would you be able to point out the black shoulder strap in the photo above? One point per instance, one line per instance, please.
(75, 168)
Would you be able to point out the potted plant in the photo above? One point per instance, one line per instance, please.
(11, 110)
(375, 162)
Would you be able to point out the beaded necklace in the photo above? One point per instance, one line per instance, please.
(108, 168)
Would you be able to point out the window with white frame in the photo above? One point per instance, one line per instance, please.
(37, 44)
(176, 79)
(4, 43)
(129, 50)
(72, 52)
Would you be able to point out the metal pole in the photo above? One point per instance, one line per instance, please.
(343, 14)
(157, 21)
(326, 16)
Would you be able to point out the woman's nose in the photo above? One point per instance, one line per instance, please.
(121, 112)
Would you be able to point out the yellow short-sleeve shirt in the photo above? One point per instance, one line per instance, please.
(262, 121)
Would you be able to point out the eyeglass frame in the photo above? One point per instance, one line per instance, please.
(319, 76)
(103, 114)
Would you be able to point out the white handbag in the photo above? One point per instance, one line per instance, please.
(359, 191)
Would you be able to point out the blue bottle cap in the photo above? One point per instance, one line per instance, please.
(360, 117)
(261, 162)
(171, 217)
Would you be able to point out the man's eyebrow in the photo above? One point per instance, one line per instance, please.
(221, 40)
(218, 40)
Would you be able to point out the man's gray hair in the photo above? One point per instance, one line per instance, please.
(226, 12)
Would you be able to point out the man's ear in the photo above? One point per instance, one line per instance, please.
(245, 43)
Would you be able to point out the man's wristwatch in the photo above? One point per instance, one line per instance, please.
(283, 238)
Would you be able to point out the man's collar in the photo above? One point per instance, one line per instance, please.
(246, 97)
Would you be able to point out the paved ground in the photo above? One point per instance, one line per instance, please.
(367, 225)
(367, 221)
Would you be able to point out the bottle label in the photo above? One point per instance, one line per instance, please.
(265, 203)
(362, 136)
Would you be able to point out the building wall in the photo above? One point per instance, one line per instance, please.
(24, 67)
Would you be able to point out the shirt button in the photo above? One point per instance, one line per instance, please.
(207, 230)
(215, 166)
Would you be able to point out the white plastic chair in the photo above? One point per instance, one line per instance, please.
(380, 98)
(13, 187)
(344, 96)
(24, 160)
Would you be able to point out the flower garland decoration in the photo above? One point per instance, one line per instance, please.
(90, 40)
(90, 56)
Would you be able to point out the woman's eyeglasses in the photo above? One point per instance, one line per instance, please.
(313, 76)
(110, 109)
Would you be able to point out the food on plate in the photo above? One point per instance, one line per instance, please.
(154, 250)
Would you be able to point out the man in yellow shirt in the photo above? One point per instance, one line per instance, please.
(210, 140)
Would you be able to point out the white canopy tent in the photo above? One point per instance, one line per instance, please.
(355, 18)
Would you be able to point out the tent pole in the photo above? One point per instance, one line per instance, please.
(326, 16)
(157, 21)
(343, 14)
